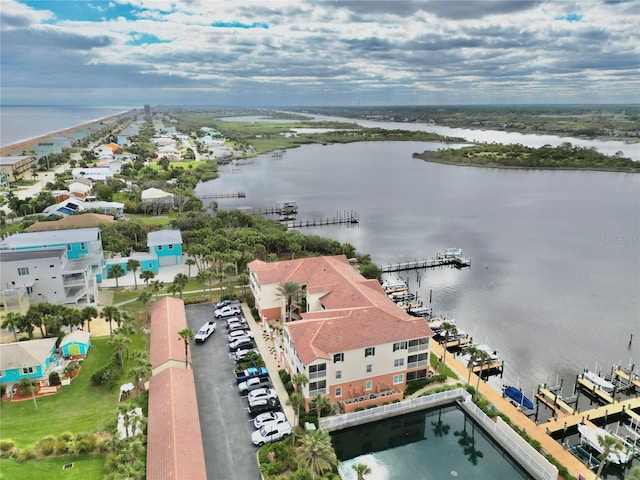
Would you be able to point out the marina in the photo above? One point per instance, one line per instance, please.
(214, 196)
(342, 218)
(451, 257)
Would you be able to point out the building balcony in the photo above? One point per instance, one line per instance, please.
(377, 399)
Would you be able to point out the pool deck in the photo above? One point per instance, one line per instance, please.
(537, 432)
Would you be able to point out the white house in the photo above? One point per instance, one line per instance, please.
(98, 174)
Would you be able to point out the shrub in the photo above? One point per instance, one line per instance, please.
(70, 368)
(61, 446)
(3, 389)
(47, 445)
(26, 454)
(373, 405)
(359, 409)
(413, 387)
(284, 376)
(66, 436)
(26, 387)
(6, 444)
(54, 379)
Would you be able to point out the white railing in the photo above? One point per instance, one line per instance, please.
(421, 363)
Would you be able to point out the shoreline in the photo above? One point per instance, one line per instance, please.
(17, 148)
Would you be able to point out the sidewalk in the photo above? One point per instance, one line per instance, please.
(267, 351)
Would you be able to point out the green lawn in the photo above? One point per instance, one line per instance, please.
(85, 467)
(80, 407)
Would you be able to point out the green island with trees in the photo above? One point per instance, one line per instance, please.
(563, 157)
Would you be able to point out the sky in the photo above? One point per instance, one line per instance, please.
(319, 52)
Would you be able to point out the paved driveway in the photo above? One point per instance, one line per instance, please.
(224, 422)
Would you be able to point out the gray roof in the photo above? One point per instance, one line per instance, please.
(56, 237)
(164, 237)
(77, 336)
(22, 255)
(25, 354)
(5, 161)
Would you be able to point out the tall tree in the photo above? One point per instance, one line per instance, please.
(472, 351)
(11, 321)
(120, 342)
(186, 334)
(146, 275)
(321, 402)
(88, 314)
(484, 358)
(110, 314)
(297, 401)
(449, 329)
(361, 470)
(290, 292)
(116, 272)
(299, 380)
(156, 286)
(173, 289)
(610, 445)
(205, 276)
(316, 453)
(145, 298)
(133, 265)
(189, 262)
(141, 368)
(181, 281)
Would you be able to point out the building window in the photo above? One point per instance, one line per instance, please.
(317, 371)
(170, 247)
(83, 246)
(398, 362)
(417, 375)
(159, 248)
(419, 360)
(369, 368)
(23, 271)
(338, 373)
(150, 266)
(317, 387)
(27, 370)
(370, 351)
(338, 391)
(368, 385)
(338, 357)
(69, 247)
(398, 379)
(399, 346)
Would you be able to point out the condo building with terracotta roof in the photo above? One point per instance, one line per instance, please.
(351, 341)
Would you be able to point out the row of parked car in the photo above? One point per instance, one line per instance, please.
(263, 404)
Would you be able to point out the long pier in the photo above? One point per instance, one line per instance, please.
(344, 218)
(438, 261)
(223, 195)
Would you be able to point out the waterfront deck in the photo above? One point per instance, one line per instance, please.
(439, 261)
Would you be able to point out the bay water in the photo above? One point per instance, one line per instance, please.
(554, 284)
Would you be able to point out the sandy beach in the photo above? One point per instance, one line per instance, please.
(18, 148)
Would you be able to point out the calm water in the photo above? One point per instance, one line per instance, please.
(19, 123)
(555, 279)
(432, 445)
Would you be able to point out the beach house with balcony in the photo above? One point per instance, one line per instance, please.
(166, 245)
(351, 341)
(80, 243)
(17, 167)
(28, 359)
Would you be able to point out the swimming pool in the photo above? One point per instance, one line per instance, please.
(434, 444)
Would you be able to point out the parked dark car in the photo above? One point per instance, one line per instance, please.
(224, 303)
(263, 406)
(241, 344)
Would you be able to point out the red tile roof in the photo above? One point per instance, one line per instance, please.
(174, 440)
(357, 313)
(168, 317)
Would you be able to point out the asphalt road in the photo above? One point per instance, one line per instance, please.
(224, 422)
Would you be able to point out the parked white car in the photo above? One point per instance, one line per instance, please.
(261, 394)
(269, 417)
(253, 384)
(228, 311)
(239, 333)
(240, 355)
(271, 432)
(205, 331)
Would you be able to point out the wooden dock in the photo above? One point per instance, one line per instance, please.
(438, 261)
(629, 378)
(222, 195)
(554, 402)
(594, 391)
(344, 218)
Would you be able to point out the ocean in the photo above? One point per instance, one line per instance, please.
(24, 122)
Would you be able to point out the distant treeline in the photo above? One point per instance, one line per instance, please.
(565, 156)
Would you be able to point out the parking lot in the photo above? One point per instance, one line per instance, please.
(224, 422)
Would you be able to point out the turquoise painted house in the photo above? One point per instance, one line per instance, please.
(167, 245)
(148, 261)
(28, 359)
(75, 343)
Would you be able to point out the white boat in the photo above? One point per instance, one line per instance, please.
(590, 436)
(394, 285)
(598, 381)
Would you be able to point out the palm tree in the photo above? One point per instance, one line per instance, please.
(156, 286)
(181, 281)
(484, 358)
(472, 351)
(610, 445)
(361, 470)
(243, 281)
(11, 322)
(186, 334)
(110, 313)
(120, 342)
(124, 410)
(145, 299)
(173, 289)
(116, 272)
(448, 328)
(320, 402)
(297, 401)
(133, 265)
(141, 369)
(189, 262)
(316, 453)
(146, 275)
(205, 276)
(88, 314)
(290, 292)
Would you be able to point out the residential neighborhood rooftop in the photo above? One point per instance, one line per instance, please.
(80, 220)
(164, 237)
(25, 354)
(57, 237)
